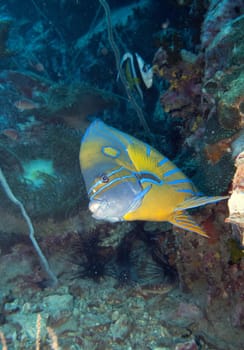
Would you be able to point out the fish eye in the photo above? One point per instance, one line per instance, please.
(104, 178)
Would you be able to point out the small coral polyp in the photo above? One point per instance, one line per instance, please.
(35, 171)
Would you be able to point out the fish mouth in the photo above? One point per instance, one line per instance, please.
(100, 211)
(94, 206)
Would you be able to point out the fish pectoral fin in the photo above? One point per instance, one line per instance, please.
(194, 202)
(186, 222)
(138, 199)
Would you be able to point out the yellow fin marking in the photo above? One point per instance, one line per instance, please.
(141, 161)
(186, 222)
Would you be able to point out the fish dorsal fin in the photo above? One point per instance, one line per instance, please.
(194, 202)
(186, 222)
(139, 154)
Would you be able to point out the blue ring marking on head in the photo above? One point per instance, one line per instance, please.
(105, 187)
(186, 191)
(147, 176)
(148, 150)
(179, 181)
(116, 171)
(115, 138)
(103, 149)
(99, 182)
(151, 181)
(171, 172)
(162, 161)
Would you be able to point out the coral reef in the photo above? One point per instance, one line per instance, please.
(230, 108)
(159, 287)
(81, 311)
(222, 42)
(185, 80)
(206, 89)
(236, 201)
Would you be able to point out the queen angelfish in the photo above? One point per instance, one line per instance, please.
(127, 180)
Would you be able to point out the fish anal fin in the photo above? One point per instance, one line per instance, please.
(185, 221)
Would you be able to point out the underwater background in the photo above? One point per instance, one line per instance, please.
(68, 281)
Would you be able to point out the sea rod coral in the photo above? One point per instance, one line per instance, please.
(121, 74)
(42, 258)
